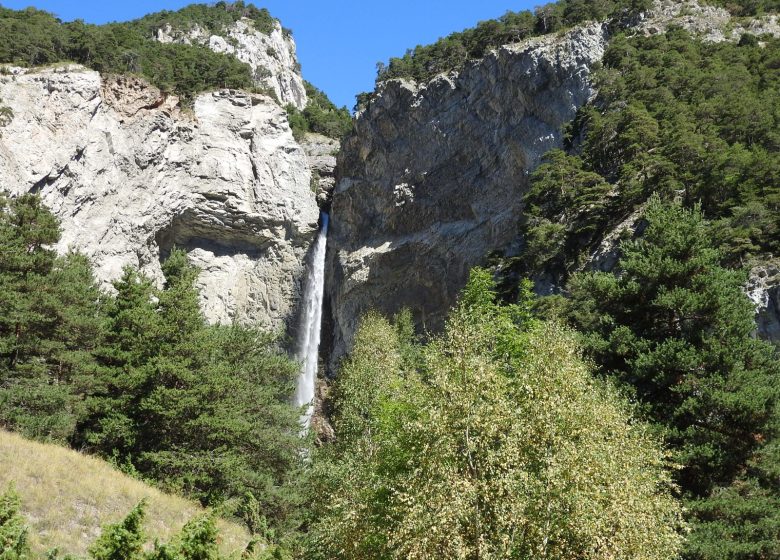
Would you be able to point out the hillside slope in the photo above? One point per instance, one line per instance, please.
(67, 497)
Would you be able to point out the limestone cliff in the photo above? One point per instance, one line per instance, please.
(130, 175)
(271, 56)
(709, 23)
(432, 178)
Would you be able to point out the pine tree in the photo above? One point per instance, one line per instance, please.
(202, 409)
(123, 540)
(122, 376)
(198, 539)
(677, 328)
(27, 230)
(565, 208)
(50, 321)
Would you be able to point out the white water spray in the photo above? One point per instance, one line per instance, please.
(309, 335)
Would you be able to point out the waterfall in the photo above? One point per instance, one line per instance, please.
(309, 335)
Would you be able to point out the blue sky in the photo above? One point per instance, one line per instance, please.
(339, 41)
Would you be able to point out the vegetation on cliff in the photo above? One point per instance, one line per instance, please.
(33, 37)
(747, 7)
(454, 50)
(676, 117)
(6, 114)
(320, 115)
(215, 18)
(451, 52)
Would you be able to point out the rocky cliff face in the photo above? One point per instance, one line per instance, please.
(130, 176)
(764, 290)
(271, 56)
(432, 178)
(321, 152)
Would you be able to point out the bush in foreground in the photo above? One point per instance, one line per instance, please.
(493, 441)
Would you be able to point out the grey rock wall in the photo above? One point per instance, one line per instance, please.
(432, 178)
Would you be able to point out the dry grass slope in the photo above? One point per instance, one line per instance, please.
(67, 497)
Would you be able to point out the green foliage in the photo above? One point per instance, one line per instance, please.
(6, 116)
(13, 531)
(123, 540)
(495, 442)
(49, 323)
(701, 120)
(139, 377)
(747, 7)
(452, 51)
(565, 210)
(33, 37)
(298, 122)
(202, 409)
(320, 115)
(198, 540)
(214, 18)
(675, 117)
(126, 540)
(676, 327)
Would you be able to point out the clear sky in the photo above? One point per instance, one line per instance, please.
(339, 41)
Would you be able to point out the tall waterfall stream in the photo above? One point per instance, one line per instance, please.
(309, 335)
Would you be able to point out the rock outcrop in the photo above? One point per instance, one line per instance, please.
(130, 176)
(322, 152)
(271, 56)
(764, 290)
(709, 23)
(432, 178)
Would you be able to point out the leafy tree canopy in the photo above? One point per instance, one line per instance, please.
(493, 441)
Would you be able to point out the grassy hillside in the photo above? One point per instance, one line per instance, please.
(67, 497)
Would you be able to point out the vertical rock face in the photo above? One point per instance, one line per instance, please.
(321, 152)
(130, 177)
(271, 56)
(764, 290)
(432, 178)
